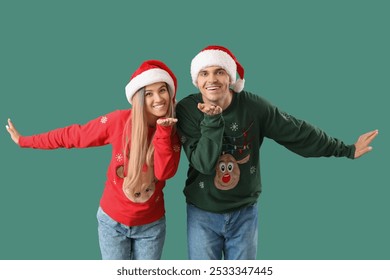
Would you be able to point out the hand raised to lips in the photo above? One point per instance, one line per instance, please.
(166, 121)
(209, 109)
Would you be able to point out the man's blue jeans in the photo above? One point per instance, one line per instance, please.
(120, 242)
(232, 236)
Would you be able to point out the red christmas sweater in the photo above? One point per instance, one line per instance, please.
(108, 129)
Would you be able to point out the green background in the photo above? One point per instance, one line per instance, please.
(327, 62)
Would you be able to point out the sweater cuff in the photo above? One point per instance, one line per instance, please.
(23, 142)
(163, 131)
(351, 153)
(212, 121)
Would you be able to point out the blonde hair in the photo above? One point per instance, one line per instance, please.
(137, 146)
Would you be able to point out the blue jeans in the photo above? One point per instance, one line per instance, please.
(120, 242)
(212, 236)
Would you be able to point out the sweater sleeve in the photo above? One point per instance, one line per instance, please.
(166, 152)
(201, 135)
(301, 137)
(94, 133)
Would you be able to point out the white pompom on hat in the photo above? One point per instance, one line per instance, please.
(218, 56)
(150, 72)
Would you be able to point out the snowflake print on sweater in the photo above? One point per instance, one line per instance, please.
(104, 119)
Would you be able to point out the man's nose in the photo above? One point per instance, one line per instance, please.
(212, 78)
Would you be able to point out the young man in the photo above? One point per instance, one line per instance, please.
(222, 129)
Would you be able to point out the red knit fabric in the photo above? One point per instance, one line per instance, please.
(108, 129)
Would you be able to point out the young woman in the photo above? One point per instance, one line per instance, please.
(145, 153)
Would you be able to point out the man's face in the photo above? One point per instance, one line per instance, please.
(213, 82)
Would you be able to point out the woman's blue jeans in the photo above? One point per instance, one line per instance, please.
(120, 242)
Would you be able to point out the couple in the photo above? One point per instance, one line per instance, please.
(221, 130)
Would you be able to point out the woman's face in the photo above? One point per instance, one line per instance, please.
(157, 100)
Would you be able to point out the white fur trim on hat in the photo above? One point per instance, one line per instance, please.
(149, 77)
(208, 58)
(238, 86)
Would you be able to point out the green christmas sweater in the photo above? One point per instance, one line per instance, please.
(224, 150)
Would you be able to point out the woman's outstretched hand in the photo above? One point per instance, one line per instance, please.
(13, 132)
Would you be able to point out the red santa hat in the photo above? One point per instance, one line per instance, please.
(150, 72)
(218, 56)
